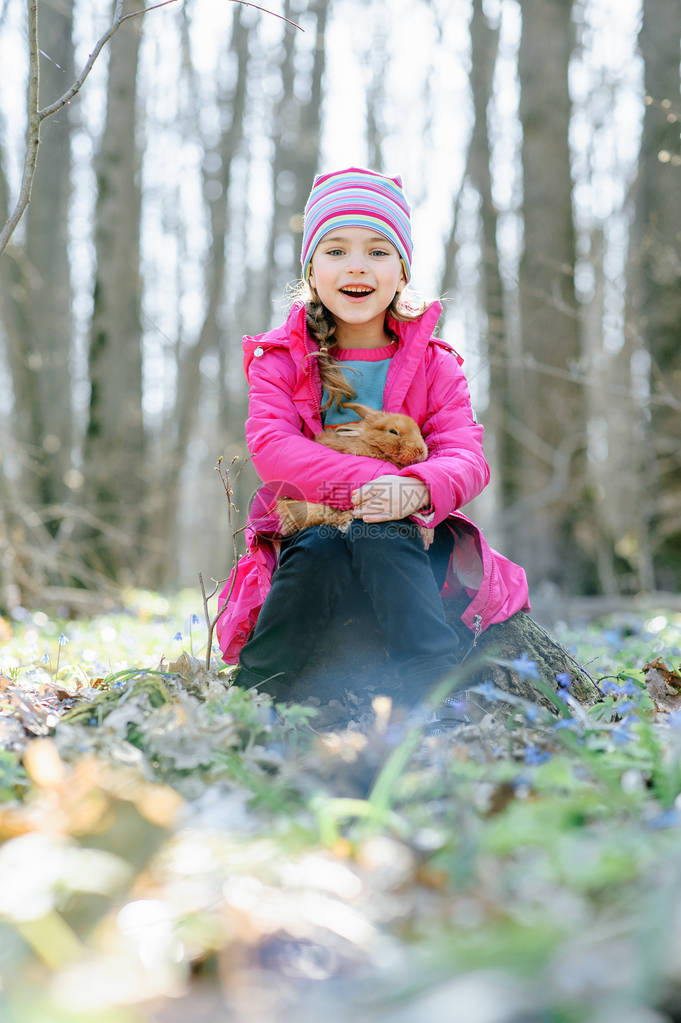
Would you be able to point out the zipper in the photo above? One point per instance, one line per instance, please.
(477, 628)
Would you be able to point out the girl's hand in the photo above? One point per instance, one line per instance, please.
(389, 497)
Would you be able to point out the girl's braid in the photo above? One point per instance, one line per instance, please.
(322, 327)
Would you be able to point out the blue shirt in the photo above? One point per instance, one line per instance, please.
(366, 370)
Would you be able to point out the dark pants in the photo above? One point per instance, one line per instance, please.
(318, 571)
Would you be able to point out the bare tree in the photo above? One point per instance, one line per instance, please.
(656, 279)
(484, 48)
(35, 315)
(296, 137)
(47, 274)
(217, 192)
(377, 60)
(114, 452)
(551, 435)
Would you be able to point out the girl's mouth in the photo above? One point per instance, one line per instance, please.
(360, 291)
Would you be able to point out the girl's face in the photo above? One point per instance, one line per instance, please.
(356, 274)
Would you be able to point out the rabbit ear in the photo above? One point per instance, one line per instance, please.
(362, 410)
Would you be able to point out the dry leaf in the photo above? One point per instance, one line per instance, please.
(663, 685)
(671, 677)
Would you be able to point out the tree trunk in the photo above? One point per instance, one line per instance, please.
(35, 310)
(48, 277)
(484, 48)
(35, 289)
(296, 137)
(551, 435)
(115, 442)
(375, 96)
(656, 264)
(217, 185)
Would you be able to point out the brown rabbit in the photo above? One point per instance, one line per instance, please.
(391, 436)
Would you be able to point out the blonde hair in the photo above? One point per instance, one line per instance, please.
(322, 328)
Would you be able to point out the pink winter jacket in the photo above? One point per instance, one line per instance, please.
(424, 381)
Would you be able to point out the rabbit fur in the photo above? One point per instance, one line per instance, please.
(390, 436)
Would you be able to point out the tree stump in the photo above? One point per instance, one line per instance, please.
(350, 664)
(517, 654)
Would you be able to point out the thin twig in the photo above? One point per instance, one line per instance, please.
(99, 46)
(232, 518)
(145, 10)
(246, 3)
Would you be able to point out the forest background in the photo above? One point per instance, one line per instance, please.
(540, 146)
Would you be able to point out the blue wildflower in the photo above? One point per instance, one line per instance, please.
(488, 690)
(564, 679)
(531, 713)
(558, 726)
(667, 819)
(610, 688)
(195, 619)
(625, 706)
(525, 667)
(92, 721)
(178, 635)
(45, 658)
(622, 733)
(63, 640)
(629, 688)
(533, 755)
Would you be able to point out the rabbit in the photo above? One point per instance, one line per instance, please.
(391, 436)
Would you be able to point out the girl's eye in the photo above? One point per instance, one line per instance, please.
(379, 252)
(334, 252)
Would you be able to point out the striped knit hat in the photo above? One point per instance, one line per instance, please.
(357, 198)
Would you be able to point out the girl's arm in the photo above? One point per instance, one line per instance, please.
(281, 453)
(456, 470)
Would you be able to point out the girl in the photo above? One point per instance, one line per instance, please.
(353, 337)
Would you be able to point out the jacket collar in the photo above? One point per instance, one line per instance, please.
(417, 331)
(413, 337)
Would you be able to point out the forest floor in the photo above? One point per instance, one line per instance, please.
(173, 848)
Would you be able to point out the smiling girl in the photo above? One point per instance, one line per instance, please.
(351, 336)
